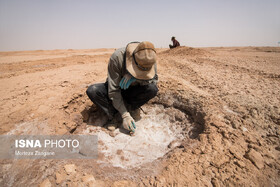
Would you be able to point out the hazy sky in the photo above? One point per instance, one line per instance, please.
(84, 24)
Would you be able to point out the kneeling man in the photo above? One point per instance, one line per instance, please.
(131, 82)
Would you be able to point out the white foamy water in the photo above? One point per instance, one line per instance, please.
(153, 134)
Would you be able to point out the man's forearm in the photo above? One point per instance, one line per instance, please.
(118, 103)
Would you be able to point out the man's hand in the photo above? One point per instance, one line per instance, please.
(128, 122)
(126, 81)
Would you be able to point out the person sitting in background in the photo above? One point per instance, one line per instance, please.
(175, 43)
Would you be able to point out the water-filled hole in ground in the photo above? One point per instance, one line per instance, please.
(159, 130)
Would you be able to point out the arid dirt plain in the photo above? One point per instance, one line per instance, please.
(216, 118)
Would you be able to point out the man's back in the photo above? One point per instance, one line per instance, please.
(176, 43)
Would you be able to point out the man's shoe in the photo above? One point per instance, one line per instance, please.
(113, 123)
(112, 126)
(135, 114)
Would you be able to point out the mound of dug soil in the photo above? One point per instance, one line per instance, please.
(185, 51)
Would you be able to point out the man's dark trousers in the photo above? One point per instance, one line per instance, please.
(135, 96)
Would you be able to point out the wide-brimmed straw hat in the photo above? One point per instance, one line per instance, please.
(141, 60)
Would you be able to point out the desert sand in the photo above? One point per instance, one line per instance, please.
(215, 121)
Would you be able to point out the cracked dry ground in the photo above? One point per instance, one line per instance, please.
(231, 95)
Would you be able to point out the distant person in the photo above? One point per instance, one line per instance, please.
(175, 43)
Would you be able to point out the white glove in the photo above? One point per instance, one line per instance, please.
(128, 122)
